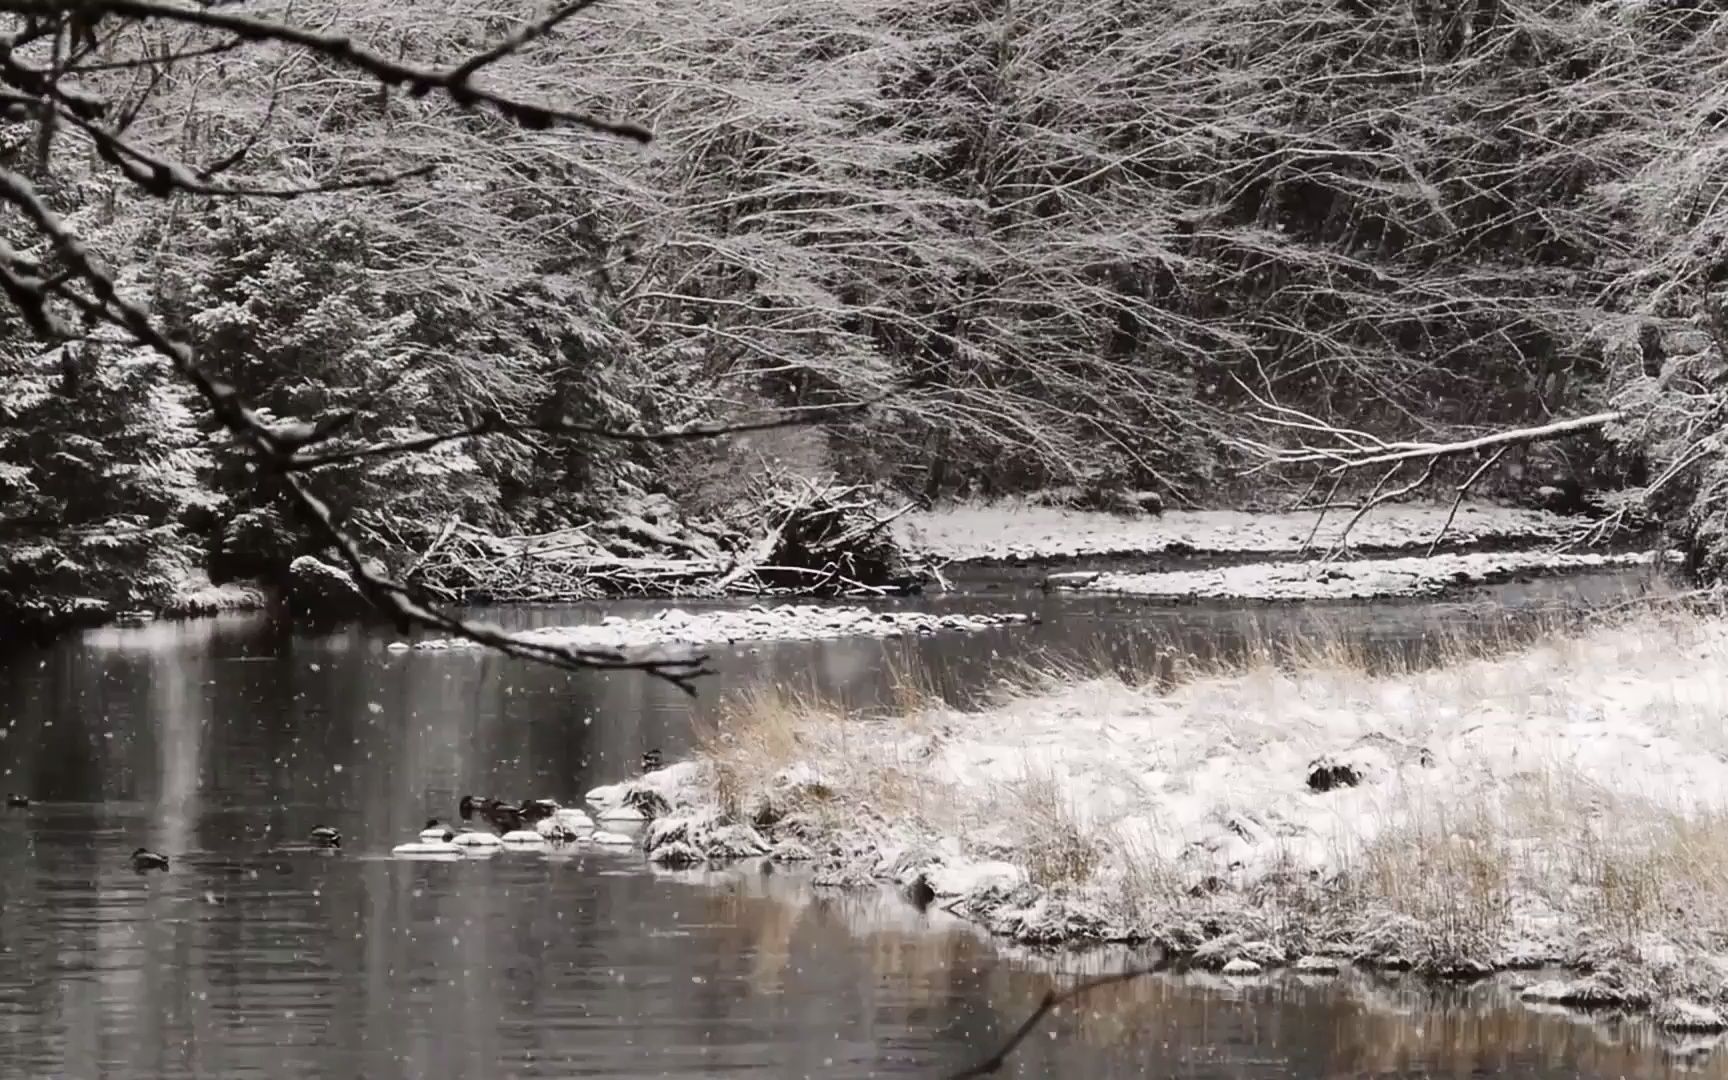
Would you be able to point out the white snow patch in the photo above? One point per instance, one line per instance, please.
(969, 877)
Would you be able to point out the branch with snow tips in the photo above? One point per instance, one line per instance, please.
(456, 82)
(1357, 450)
(1352, 450)
(496, 425)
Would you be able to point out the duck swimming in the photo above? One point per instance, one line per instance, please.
(144, 860)
(17, 801)
(325, 836)
(497, 813)
(534, 811)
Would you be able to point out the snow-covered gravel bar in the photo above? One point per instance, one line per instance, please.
(1365, 579)
(782, 622)
(1012, 531)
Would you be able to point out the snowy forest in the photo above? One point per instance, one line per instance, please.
(919, 251)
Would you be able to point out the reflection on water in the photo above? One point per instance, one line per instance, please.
(220, 739)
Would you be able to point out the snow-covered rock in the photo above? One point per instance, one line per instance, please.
(319, 589)
(473, 842)
(1591, 991)
(691, 835)
(574, 819)
(1317, 965)
(1689, 1017)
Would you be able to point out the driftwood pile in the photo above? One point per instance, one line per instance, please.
(797, 536)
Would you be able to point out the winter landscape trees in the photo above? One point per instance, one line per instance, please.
(1056, 248)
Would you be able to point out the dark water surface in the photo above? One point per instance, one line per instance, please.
(220, 739)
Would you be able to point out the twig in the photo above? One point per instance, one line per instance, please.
(1321, 516)
(1458, 499)
(1051, 1000)
(1376, 498)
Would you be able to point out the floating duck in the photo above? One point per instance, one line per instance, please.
(497, 813)
(17, 801)
(144, 860)
(325, 836)
(537, 810)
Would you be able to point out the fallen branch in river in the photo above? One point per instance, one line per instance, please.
(1051, 1001)
(1342, 451)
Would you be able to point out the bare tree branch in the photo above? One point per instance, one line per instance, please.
(1350, 450)
(455, 83)
(1458, 497)
(497, 425)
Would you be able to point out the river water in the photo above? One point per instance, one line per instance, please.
(221, 740)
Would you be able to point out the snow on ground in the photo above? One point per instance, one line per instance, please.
(1561, 805)
(785, 622)
(1367, 579)
(1017, 531)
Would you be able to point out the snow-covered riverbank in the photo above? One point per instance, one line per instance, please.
(1563, 806)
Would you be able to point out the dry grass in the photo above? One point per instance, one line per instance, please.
(1061, 846)
(1569, 792)
(755, 736)
(1452, 877)
(842, 757)
(1617, 870)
